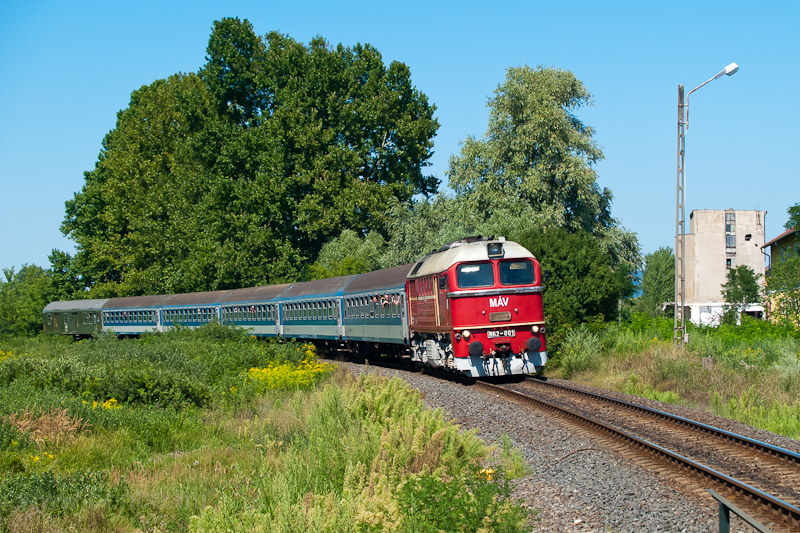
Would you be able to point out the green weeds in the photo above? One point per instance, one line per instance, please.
(639, 358)
(211, 430)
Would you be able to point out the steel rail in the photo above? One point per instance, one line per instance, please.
(782, 453)
(789, 513)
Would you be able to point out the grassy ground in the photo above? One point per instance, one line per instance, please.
(755, 377)
(213, 431)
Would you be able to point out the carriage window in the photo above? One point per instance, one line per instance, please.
(475, 275)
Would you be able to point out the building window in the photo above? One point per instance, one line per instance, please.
(730, 230)
(730, 222)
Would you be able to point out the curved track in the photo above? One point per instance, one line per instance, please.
(757, 476)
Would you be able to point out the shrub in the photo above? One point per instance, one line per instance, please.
(469, 502)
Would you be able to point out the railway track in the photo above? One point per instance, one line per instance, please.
(760, 478)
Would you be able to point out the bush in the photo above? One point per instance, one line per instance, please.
(470, 502)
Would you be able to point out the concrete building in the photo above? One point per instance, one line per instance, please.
(717, 241)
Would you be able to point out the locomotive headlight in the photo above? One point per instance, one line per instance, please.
(466, 333)
(458, 336)
(494, 249)
(535, 329)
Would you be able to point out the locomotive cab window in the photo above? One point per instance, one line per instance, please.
(475, 275)
(516, 273)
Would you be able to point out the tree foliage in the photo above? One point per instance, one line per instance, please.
(23, 295)
(794, 217)
(537, 160)
(348, 254)
(740, 290)
(583, 284)
(238, 174)
(658, 282)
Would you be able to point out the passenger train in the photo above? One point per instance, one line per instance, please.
(474, 307)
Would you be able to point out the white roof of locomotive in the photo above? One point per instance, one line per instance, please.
(464, 252)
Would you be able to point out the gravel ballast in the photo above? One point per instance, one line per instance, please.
(577, 483)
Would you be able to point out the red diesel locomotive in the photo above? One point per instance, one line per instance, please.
(475, 306)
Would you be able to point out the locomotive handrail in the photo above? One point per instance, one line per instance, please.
(498, 325)
(495, 292)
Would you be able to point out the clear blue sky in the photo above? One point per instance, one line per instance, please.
(69, 67)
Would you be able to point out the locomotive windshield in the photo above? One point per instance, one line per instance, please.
(516, 273)
(475, 275)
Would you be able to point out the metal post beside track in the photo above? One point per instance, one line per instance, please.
(725, 508)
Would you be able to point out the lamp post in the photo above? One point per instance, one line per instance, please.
(679, 336)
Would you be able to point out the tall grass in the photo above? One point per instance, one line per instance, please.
(214, 431)
(638, 357)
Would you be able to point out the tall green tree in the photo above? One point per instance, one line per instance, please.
(537, 160)
(23, 296)
(740, 290)
(236, 175)
(658, 282)
(65, 281)
(583, 284)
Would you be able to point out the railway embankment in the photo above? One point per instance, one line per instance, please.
(580, 481)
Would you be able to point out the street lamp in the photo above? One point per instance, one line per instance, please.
(679, 336)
